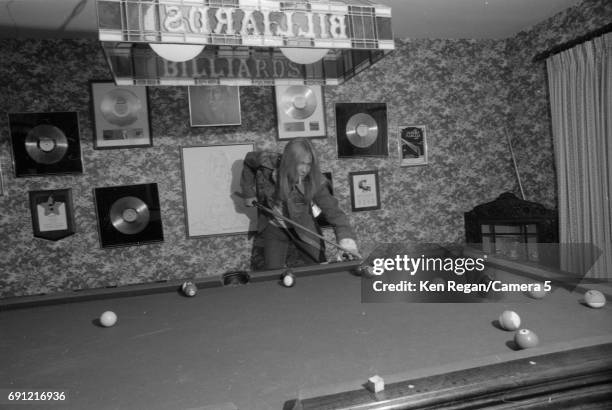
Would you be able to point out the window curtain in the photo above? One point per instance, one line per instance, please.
(580, 84)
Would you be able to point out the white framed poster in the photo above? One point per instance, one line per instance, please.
(211, 177)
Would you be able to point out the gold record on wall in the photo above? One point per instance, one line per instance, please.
(121, 107)
(300, 111)
(121, 116)
(361, 130)
(45, 143)
(128, 215)
(298, 102)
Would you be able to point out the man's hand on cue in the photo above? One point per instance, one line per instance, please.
(351, 246)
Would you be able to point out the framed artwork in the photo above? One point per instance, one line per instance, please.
(361, 130)
(412, 143)
(121, 116)
(52, 214)
(300, 111)
(211, 179)
(319, 217)
(128, 215)
(214, 105)
(365, 191)
(45, 143)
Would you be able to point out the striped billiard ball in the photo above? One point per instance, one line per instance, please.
(594, 298)
(189, 289)
(525, 339)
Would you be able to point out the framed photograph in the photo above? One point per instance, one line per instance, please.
(128, 215)
(45, 143)
(300, 111)
(412, 143)
(121, 116)
(52, 214)
(361, 130)
(214, 105)
(365, 191)
(211, 179)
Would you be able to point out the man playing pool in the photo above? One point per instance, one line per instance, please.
(290, 184)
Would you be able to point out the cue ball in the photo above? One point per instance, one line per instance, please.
(525, 339)
(108, 318)
(509, 320)
(594, 298)
(288, 279)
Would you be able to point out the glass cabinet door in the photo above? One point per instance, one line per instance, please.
(514, 241)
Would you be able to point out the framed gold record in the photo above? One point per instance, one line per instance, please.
(128, 215)
(361, 130)
(121, 116)
(45, 143)
(300, 111)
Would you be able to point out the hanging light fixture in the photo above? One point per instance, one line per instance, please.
(304, 55)
(177, 52)
(246, 42)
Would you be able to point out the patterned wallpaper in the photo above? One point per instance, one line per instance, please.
(459, 89)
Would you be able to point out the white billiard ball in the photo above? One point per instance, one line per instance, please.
(288, 279)
(509, 320)
(108, 318)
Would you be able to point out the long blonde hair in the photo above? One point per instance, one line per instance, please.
(296, 151)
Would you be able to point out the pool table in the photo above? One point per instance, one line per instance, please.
(261, 346)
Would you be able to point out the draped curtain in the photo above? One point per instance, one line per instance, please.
(580, 83)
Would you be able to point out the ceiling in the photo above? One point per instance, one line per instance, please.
(476, 19)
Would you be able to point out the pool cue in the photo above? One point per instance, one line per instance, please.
(284, 218)
(518, 176)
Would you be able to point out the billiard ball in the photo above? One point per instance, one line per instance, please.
(509, 320)
(365, 271)
(594, 298)
(108, 318)
(537, 291)
(525, 338)
(189, 289)
(288, 279)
